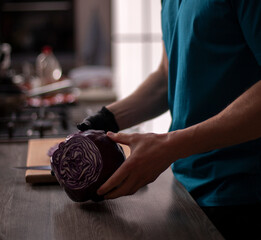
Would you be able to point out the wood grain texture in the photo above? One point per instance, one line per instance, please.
(162, 210)
(37, 156)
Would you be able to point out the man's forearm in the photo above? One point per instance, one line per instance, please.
(147, 102)
(239, 122)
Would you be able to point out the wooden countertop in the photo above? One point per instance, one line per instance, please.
(162, 210)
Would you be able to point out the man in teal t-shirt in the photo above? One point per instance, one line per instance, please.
(214, 52)
(209, 79)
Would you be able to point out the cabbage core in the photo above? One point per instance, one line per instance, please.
(79, 162)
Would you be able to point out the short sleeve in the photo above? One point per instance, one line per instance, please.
(249, 16)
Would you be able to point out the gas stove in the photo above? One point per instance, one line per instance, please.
(37, 122)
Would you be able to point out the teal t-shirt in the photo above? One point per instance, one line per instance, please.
(214, 53)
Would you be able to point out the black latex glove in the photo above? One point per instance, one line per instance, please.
(102, 120)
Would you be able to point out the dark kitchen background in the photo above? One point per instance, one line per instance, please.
(105, 49)
(64, 25)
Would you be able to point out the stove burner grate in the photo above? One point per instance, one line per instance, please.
(30, 122)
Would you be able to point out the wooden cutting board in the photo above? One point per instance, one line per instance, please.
(37, 155)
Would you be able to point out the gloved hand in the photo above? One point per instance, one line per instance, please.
(102, 120)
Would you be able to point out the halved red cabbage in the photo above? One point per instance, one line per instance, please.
(84, 161)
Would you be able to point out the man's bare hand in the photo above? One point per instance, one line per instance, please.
(148, 159)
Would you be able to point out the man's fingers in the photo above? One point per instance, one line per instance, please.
(122, 138)
(127, 187)
(119, 176)
(113, 182)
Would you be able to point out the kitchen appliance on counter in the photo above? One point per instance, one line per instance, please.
(56, 121)
(23, 116)
(48, 111)
(27, 113)
(36, 122)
